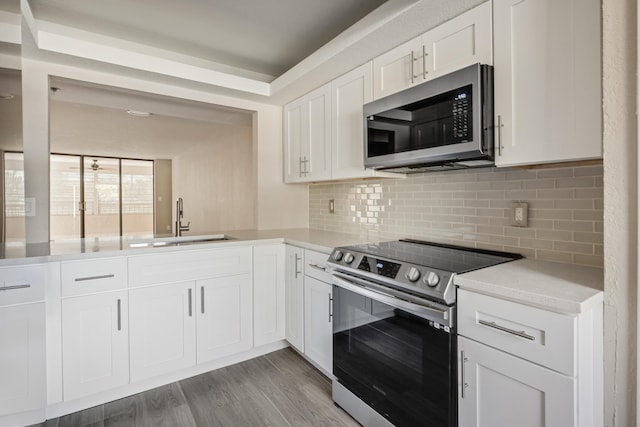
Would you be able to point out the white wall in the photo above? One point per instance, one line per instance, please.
(620, 210)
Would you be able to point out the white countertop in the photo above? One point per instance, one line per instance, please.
(73, 249)
(564, 288)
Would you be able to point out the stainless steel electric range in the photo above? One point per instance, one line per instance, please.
(394, 330)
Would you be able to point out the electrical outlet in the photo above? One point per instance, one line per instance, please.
(519, 214)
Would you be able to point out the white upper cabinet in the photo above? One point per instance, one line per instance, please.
(461, 41)
(349, 93)
(394, 70)
(547, 78)
(324, 130)
(307, 137)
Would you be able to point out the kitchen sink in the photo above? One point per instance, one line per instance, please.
(180, 241)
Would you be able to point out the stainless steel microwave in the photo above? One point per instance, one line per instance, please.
(445, 123)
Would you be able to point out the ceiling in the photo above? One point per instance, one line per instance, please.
(266, 37)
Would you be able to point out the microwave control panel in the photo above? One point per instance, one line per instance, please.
(461, 123)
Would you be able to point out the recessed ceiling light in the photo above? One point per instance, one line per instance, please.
(6, 96)
(137, 113)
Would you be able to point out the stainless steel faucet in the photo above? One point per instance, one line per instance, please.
(179, 227)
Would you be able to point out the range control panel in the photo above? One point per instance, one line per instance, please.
(416, 279)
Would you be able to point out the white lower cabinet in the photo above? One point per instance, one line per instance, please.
(309, 306)
(318, 332)
(501, 390)
(520, 365)
(268, 294)
(294, 296)
(22, 359)
(162, 329)
(224, 317)
(95, 343)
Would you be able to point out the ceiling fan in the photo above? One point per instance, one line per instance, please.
(94, 166)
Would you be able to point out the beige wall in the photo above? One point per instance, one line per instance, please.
(216, 182)
(620, 210)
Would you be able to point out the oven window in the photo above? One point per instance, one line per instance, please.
(399, 364)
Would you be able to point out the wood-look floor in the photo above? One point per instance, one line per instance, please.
(278, 389)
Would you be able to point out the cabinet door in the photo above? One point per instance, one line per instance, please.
(316, 149)
(307, 137)
(462, 41)
(268, 294)
(349, 93)
(547, 81)
(95, 343)
(500, 390)
(318, 333)
(22, 359)
(293, 140)
(162, 329)
(224, 316)
(397, 69)
(294, 296)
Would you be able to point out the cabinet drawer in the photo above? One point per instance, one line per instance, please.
(541, 336)
(96, 275)
(173, 267)
(315, 265)
(20, 285)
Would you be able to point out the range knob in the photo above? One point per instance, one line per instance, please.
(337, 256)
(431, 279)
(413, 274)
(348, 258)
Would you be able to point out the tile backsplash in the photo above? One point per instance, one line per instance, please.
(473, 208)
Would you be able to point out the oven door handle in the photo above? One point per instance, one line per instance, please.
(441, 316)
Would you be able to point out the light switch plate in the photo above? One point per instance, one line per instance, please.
(519, 214)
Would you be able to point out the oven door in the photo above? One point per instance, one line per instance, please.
(393, 357)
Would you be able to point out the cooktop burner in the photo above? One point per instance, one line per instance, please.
(421, 268)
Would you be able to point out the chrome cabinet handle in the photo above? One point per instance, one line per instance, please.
(330, 307)
(463, 361)
(494, 325)
(202, 299)
(500, 126)
(296, 266)
(84, 279)
(14, 287)
(316, 266)
(424, 62)
(413, 76)
(119, 315)
(190, 305)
